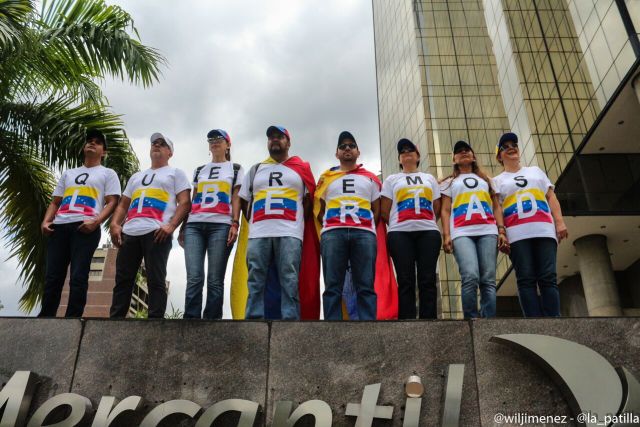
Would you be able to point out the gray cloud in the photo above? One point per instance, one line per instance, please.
(243, 65)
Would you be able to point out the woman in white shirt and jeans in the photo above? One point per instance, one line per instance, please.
(534, 224)
(473, 229)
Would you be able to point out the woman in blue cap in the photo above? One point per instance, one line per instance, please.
(473, 229)
(211, 227)
(410, 204)
(535, 226)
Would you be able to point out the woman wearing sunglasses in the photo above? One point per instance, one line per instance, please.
(535, 226)
(410, 204)
(473, 230)
(212, 227)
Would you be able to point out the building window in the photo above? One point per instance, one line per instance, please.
(97, 259)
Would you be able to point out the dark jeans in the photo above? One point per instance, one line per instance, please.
(130, 255)
(534, 261)
(411, 249)
(338, 247)
(205, 239)
(68, 246)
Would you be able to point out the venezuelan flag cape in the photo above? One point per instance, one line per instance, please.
(385, 282)
(309, 276)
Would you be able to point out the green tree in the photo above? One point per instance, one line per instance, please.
(50, 61)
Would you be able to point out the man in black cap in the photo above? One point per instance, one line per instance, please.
(83, 199)
(349, 198)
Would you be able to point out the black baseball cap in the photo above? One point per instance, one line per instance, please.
(460, 145)
(509, 136)
(95, 133)
(346, 135)
(405, 143)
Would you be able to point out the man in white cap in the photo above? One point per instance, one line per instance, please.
(153, 205)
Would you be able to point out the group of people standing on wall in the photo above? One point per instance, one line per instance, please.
(358, 226)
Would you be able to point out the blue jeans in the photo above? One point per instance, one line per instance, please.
(285, 252)
(476, 258)
(534, 261)
(200, 239)
(338, 247)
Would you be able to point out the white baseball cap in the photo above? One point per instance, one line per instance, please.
(158, 135)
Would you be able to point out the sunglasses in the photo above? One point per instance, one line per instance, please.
(216, 139)
(345, 146)
(508, 145)
(160, 142)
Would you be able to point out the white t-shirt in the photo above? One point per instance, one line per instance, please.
(412, 196)
(348, 203)
(153, 198)
(524, 203)
(83, 191)
(277, 209)
(213, 192)
(471, 206)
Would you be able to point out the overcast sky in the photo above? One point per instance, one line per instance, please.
(242, 66)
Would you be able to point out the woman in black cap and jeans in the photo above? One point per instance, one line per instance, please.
(473, 229)
(410, 204)
(534, 224)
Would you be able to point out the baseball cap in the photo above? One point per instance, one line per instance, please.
(273, 128)
(509, 136)
(460, 145)
(95, 133)
(213, 133)
(158, 135)
(405, 143)
(346, 135)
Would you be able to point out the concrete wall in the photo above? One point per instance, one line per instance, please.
(206, 362)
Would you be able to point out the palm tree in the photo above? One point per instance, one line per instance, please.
(50, 61)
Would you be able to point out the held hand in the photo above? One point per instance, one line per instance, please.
(561, 231)
(116, 235)
(503, 243)
(233, 235)
(447, 244)
(506, 248)
(163, 232)
(46, 228)
(88, 226)
(181, 237)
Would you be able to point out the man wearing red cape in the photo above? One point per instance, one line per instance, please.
(282, 250)
(353, 242)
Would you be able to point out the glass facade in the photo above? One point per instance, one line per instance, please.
(535, 67)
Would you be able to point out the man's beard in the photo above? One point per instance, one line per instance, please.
(276, 149)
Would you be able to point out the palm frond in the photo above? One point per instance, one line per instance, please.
(55, 129)
(90, 33)
(13, 16)
(25, 186)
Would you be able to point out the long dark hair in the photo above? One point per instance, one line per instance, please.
(475, 168)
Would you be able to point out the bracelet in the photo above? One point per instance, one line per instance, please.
(235, 221)
(502, 227)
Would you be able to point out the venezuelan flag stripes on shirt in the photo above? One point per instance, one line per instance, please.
(83, 191)
(412, 196)
(276, 195)
(212, 187)
(348, 203)
(471, 206)
(524, 203)
(153, 198)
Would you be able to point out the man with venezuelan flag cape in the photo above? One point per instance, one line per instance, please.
(347, 203)
(282, 259)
